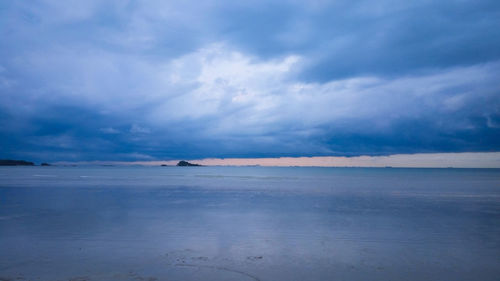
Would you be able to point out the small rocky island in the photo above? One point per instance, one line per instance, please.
(185, 164)
(8, 162)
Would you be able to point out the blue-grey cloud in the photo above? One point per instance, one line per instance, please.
(128, 80)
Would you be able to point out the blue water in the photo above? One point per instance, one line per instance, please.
(248, 223)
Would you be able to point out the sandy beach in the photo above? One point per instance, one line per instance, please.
(248, 223)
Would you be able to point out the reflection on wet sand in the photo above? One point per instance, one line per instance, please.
(307, 225)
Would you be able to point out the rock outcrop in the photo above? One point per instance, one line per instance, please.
(185, 164)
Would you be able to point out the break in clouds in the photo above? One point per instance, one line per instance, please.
(127, 80)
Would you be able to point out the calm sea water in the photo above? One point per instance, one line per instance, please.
(248, 223)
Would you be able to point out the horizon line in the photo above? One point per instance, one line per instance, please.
(416, 160)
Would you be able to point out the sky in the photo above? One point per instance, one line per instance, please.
(163, 80)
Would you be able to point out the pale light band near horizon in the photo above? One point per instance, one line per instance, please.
(424, 160)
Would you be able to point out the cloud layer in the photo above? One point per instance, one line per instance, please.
(126, 80)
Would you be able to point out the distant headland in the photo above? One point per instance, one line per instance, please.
(185, 163)
(8, 162)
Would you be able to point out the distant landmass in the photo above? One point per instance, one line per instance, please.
(185, 163)
(8, 162)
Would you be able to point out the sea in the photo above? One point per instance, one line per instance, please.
(248, 223)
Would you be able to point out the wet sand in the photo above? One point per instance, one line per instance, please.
(248, 224)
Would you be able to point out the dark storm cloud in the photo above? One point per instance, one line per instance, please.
(129, 80)
(349, 38)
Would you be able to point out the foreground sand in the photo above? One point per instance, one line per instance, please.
(249, 224)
